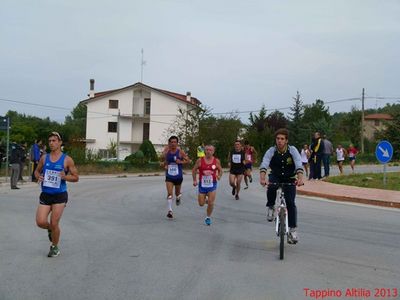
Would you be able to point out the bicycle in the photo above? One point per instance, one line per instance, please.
(281, 216)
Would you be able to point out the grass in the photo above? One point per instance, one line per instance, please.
(369, 180)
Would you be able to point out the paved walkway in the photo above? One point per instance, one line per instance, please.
(350, 193)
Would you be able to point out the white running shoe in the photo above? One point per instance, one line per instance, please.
(270, 214)
(293, 238)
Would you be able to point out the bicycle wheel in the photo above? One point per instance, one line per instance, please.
(282, 226)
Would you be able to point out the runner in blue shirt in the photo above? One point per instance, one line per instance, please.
(53, 171)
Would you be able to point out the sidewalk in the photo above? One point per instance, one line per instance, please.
(347, 193)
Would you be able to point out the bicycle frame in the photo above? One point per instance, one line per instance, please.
(278, 208)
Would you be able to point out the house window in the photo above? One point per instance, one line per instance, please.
(377, 123)
(146, 131)
(147, 106)
(112, 103)
(112, 126)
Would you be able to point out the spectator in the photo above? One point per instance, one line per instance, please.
(305, 155)
(15, 160)
(326, 157)
(22, 156)
(35, 157)
(317, 149)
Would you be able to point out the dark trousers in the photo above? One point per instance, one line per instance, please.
(35, 164)
(316, 165)
(290, 196)
(326, 159)
(15, 168)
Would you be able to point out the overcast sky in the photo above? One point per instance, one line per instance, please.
(232, 55)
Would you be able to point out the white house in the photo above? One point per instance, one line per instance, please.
(139, 111)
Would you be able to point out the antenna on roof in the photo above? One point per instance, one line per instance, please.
(142, 64)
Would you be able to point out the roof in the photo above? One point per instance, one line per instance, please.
(378, 117)
(181, 97)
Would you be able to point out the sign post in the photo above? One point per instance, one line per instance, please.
(5, 125)
(384, 153)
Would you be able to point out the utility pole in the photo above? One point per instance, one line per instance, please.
(362, 121)
(118, 127)
(142, 64)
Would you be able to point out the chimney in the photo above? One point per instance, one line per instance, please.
(91, 92)
(189, 97)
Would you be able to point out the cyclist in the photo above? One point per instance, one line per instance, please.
(286, 167)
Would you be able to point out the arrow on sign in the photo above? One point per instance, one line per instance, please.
(385, 152)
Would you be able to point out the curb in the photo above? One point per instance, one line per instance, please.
(350, 199)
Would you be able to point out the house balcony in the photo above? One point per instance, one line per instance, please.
(136, 117)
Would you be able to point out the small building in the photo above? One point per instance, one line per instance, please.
(129, 115)
(374, 123)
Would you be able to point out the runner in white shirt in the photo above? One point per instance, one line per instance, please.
(340, 156)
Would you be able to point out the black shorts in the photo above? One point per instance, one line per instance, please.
(237, 171)
(174, 181)
(49, 199)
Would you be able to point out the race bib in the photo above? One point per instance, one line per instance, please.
(173, 170)
(207, 181)
(52, 179)
(236, 158)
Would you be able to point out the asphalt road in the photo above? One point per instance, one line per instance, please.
(117, 243)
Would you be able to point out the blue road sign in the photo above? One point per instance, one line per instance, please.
(384, 152)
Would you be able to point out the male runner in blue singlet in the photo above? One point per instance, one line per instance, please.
(173, 159)
(52, 172)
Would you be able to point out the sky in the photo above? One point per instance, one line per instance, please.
(231, 55)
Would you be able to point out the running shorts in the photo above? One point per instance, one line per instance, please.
(49, 199)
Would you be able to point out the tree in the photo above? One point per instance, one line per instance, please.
(220, 132)
(391, 133)
(298, 132)
(186, 127)
(74, 127)
(148, 150)
(317, 118)
(258, 132)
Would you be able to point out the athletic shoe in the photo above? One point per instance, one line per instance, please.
(251, 179)
(270, 214)
(169, 215)
(292, 236)
(246, 187)
(178, 200)
(207, 221)
(237, 197)
(54, 251)
(49, 234)
(233, 191)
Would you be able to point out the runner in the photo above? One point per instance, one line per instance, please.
(286, 167)
(52, 172)
(305, 155)
(236, 164)
(352, 152)
(340, 155)
(251, 155)
(173, 159)
(210, 171)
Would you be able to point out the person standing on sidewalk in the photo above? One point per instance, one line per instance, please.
(286, 167)
(35, 157)
(326, 156)
(53, 171)
(210, 172)
(317, 149)
(305, 156)
(15, 161)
